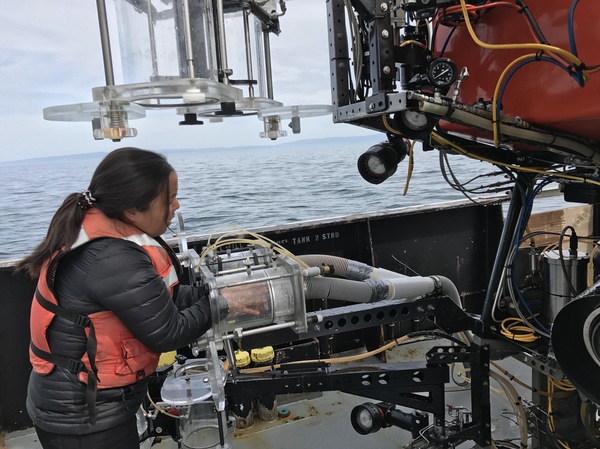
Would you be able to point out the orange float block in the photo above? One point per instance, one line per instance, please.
(540, 93)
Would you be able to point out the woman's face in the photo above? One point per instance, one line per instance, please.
(154, 220)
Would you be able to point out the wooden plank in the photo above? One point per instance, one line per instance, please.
(579, 217)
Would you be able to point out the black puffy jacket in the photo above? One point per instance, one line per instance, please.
(117, 275)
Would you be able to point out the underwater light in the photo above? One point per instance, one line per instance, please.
(369, 418)
(380, 161)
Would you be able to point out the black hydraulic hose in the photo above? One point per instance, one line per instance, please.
(536, 28)
(512, 218)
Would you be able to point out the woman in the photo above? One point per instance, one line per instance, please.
(107, 303)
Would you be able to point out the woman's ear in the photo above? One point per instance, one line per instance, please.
(130, 215)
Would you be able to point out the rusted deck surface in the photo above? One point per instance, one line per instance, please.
(322, 420)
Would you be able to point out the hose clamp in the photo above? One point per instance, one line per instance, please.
(437, 284)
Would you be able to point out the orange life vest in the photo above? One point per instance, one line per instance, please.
(114, 357)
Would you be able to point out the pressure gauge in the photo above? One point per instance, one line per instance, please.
(442, 72)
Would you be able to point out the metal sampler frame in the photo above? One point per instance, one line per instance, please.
(382, 66)
(417, 385)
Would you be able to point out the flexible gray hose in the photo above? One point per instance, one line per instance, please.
(378, 283)
(342, 289)
(377, 290)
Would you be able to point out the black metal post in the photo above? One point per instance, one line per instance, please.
(510, 223)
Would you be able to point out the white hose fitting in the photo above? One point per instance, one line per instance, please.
(349, 269)
(409, 287)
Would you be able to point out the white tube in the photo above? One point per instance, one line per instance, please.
(339, 264)
(382, 273)
(311, 272)
(409, 287)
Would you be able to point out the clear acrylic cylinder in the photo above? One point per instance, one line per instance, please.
(280, 286)
(200, 430)
(246, 52)
(165, 40)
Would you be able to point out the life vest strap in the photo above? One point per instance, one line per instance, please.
(75, 366)
(76, 318)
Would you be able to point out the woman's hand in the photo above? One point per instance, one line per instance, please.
(248, 299)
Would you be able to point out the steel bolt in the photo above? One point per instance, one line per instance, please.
(383, 7)
(386, 70)
(385, 34)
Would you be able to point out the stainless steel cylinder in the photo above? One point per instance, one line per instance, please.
(565, 276)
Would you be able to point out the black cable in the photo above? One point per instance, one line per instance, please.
(538, 32)
(453, 181)
(455, 184)
(434, 35)
(437, 334)
(364, 84)
(562, 258)
(446, 41)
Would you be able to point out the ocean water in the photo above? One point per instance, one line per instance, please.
(234, 187)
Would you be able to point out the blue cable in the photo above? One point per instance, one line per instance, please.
(524, 63)
(572, 43)
(528, 205)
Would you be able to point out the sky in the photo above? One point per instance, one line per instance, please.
(50, 55)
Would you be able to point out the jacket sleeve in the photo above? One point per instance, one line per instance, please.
(123, 280)
(186, 295)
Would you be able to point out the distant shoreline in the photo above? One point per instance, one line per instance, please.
(367, 139)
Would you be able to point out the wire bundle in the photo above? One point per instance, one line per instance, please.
(567, 60)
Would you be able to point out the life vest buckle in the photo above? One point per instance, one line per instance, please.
(82, 321)
(75, 366)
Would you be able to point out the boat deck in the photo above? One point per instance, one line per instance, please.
(323, 419)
